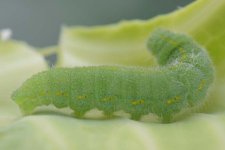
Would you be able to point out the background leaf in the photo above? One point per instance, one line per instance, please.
(18, 61)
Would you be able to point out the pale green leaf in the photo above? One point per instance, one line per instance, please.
(18, 61)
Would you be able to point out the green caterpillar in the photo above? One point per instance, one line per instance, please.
(180, 82)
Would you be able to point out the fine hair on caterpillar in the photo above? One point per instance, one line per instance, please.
(180, 82)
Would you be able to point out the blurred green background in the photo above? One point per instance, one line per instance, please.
(39, 21)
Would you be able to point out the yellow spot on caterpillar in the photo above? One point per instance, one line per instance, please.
(42, 93)
(201, 85)
(81, 97)
(173, 100)
(108, 98)
(137, 102)
(60, 93)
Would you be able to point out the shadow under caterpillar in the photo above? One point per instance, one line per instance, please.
(180, 82)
